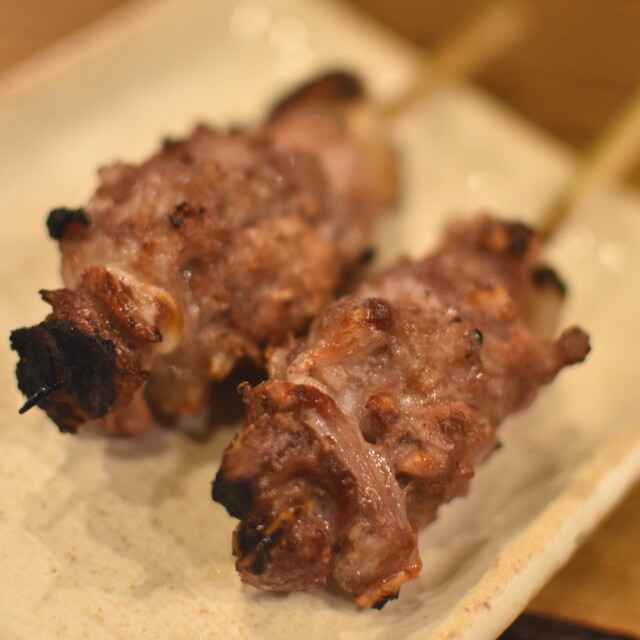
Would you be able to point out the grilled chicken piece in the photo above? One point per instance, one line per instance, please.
(216, 248)
(382, 413)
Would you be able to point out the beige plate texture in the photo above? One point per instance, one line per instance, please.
(104, 538)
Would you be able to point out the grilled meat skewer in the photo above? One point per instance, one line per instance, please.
(217, 247)
(380, 415)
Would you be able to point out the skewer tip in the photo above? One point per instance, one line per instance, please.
(42, 393)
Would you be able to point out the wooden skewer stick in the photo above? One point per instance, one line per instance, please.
(609, 159)
(471, 47)
(482, 39)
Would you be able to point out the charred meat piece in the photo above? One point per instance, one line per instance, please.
(214, 249)
(382, 413)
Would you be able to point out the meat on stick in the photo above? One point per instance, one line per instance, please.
(383, 411)
(215, 249)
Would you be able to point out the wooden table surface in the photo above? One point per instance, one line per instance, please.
(569, 74)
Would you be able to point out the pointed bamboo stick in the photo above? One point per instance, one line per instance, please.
(469, 48)
(608, 160)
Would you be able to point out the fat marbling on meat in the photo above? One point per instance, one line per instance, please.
(381, 414)
(217, 247)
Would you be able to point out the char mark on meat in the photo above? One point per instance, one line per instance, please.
(182, 265)
(383, 411)
(67, 371)
(60, 219)
(331, 90)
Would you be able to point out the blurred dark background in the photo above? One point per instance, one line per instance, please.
(571, 71)
(569, 74)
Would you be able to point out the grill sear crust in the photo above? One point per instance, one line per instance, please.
(382, 413)
(214, 249)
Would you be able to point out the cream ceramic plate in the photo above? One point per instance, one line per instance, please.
(102, 538)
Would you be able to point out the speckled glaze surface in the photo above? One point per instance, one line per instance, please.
(104, 538)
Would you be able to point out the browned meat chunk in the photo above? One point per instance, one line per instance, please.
(382, 413)
(215, 248)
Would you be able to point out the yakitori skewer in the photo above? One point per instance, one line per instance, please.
(216, 249)
(383, 411)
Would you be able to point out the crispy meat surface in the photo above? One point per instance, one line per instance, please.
(382, 412)
(217, 247)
